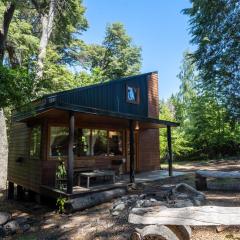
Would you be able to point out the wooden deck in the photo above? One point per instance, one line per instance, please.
(79, 191)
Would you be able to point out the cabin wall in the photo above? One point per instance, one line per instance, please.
(153, 98)
(27, 172)
(149, 152)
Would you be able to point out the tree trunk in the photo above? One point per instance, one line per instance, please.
(47, 26)
(7, 18)
(3, 151)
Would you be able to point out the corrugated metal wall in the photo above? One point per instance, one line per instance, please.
(110, 96)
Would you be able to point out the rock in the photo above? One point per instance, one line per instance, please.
(120, 207)
(115, 213)
(2, 232)
(4, 217)
(161, 231)
(183, 203)
(136, 236)
(22, 220)
(11, 227)
(185, 192)
(25, 227)
(221, 228)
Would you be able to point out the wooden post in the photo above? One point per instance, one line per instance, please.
(131, 139)
(170, 159)
(70, 161)
(10, 190)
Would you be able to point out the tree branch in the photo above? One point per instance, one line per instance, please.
(7, 18)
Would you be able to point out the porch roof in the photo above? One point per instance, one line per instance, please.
(49, 106)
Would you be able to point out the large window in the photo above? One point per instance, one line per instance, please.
(58, 141)
(99, 142)
(115, 143)
(35, 142)
(88, 142)
(83, 142)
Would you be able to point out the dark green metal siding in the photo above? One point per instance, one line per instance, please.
(109, 96)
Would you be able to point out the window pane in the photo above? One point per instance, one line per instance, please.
(115, 143)
(99, 142)
(35, 142)
(82, 139)
(58, 141)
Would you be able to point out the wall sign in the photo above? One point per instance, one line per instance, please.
(132, 94)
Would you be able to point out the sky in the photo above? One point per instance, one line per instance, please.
(157, 26)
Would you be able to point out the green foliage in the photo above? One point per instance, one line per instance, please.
(15, 87)
(61, 201)
(214, 26)
(116, 57)
(205, 131)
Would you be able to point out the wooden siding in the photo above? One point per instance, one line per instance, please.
(153, 98)
(149, 154)
(28, 172)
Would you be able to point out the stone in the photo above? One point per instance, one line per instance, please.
(136, 236)
(115, 213)
(25, 227)
(185, 192)
(183, 203)
(11, 227)
(2, 232)
(221, 228)
(4, 217)
(22, 220)
(120, 207)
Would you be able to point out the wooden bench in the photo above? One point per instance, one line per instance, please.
(96, 173)
(202, 175)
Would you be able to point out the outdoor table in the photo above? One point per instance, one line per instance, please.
(96, 173)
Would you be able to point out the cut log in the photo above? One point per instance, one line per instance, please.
(94, 199)
(218, 174)
(157, 232)
(192, 216)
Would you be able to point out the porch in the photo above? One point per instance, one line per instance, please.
(80, 191)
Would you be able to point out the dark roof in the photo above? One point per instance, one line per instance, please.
(106, 99)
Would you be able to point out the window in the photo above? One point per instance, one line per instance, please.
(99, 142)
(132, 94)
(58, 141)
(87, 142)
(83, 140)
(35, 142)
(115, 143)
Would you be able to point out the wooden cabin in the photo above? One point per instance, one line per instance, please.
(88, 128)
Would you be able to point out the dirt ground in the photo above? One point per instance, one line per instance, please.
(98, 223)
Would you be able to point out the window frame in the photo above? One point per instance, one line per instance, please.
(137, 101)
(30, 142)
(49, 157)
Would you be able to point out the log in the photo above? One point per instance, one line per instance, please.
(192, 216)
(91, 200)
(160, 231)
(218, 174)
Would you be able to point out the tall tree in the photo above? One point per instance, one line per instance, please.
(215, 29)
(7, 18)
(116, 57)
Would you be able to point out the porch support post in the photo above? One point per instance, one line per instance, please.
(70, 153)
(170, 159)
(131, 140)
